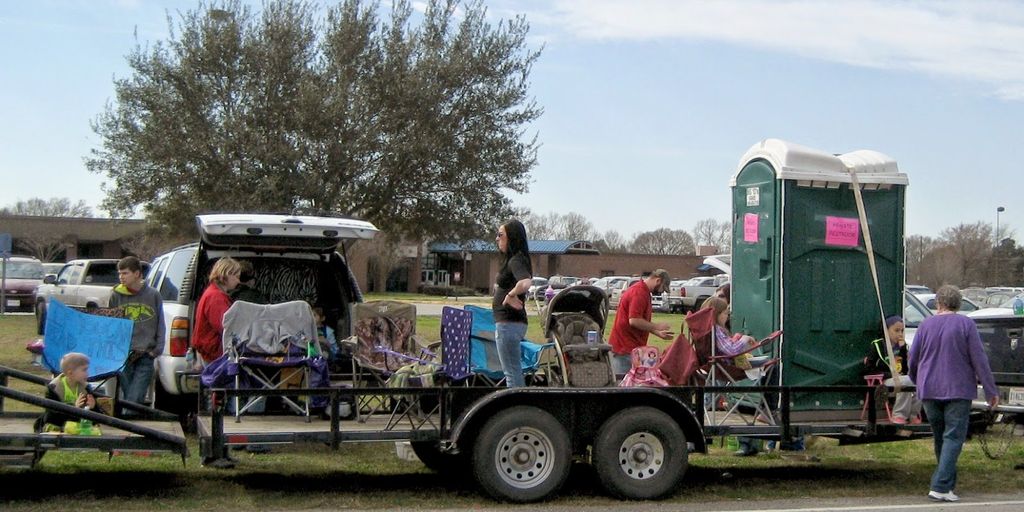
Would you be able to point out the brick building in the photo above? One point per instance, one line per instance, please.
(68, 238)
(476, 263)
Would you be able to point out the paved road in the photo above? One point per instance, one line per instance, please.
(434, 308)
(977, 503)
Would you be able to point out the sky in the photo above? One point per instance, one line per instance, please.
(648, 104)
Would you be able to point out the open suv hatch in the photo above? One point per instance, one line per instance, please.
(293, 258)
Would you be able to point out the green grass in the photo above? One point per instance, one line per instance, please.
(370, 476)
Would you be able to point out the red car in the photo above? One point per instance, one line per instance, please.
(23, 276)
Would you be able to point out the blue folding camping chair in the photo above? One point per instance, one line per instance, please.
(537, 359)
(106, 340)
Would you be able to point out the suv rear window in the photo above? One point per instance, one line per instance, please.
(175, 274)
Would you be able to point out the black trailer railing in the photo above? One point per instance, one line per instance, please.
(134, 436)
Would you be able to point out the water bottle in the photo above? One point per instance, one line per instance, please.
(190, 358)
(1018, 306)
(591, 337)
(85, 426)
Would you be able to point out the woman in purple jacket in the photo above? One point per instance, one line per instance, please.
(947, 361)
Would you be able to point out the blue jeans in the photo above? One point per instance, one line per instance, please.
(508, 335)
(621, 364)
(137, 377)
(949, 421)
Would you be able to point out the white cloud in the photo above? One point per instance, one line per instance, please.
(980, 41)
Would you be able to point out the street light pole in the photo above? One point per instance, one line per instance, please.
(995, 255)
(999, 210)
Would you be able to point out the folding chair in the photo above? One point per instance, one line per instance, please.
(271, 344)
(453, 367)
(104, 337)
(720, 370)
(538, 360)
(383, 340)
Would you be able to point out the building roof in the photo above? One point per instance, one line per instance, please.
(87, 229)
(536, 247)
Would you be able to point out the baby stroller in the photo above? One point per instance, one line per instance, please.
(568, 318)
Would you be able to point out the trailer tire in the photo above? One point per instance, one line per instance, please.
(434, 459)
(522, 454)
(640, 453)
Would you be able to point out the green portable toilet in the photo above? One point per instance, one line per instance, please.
(799, 261)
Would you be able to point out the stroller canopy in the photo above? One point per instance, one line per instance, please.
(586, 299)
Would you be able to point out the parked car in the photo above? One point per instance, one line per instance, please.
(914, 312)
(80, 284)
(559, 282)
(294, 258)
(966, 305)
(608, 283)
(695, 291)
(918, 289)
(976, 294)
(24, 275)
(52, 269)
(675, 297)
(536, 291)
(659, 302)
(1001, 333)
(618, 289)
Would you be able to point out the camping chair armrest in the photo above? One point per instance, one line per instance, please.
(407, 357)
(766, 341)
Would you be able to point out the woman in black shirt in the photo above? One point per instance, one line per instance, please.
(509, 305)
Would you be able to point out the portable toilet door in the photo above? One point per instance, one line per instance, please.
(800, 264)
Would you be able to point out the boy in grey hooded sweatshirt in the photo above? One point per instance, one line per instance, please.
(144, 307)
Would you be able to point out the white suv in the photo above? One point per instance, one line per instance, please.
(294, 258)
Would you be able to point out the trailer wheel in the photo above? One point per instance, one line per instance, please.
(640, 453)
(433, 458)
(522, 454)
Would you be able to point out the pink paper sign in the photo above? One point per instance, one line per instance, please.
(750, 227)
(842, 231)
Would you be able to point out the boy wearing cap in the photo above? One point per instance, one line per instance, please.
(633, 320)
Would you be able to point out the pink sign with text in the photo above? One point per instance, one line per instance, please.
(842, 231)
(750, 227)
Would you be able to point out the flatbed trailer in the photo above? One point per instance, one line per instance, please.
(520, 442)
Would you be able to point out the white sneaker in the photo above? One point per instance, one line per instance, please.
(943, 496)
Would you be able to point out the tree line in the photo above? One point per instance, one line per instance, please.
(964, 255)
(667, 241)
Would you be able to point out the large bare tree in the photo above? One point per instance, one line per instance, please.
(53, 207)
(663, 241)
(972, 247)
(714, 233)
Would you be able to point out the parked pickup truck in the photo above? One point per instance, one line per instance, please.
(695, 291)
(81, 284)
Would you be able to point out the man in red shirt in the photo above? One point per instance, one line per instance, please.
(633, 320)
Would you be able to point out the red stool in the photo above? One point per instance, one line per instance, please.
(874, 380)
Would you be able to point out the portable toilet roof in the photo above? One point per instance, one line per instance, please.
(814, 168)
